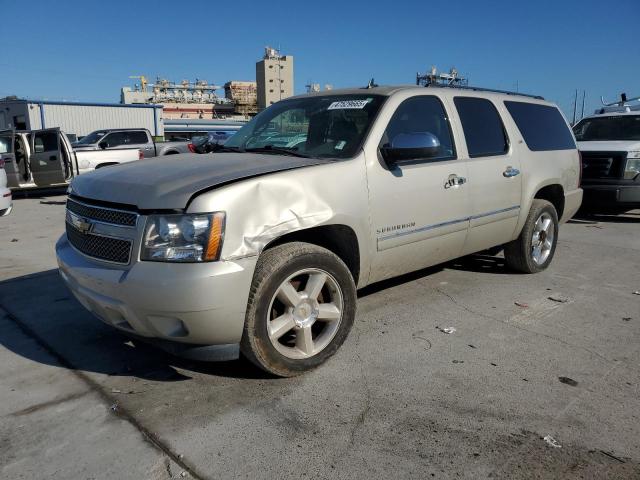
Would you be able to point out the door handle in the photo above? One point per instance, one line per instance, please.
(454, 181)
(510, 172)
(53, 158)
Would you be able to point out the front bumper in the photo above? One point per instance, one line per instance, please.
(616, 195)
(6, 202)
(201, 304)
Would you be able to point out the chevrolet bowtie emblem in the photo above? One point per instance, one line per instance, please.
(81, 224)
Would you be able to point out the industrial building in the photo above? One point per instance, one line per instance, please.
(274, 77)
(185, 99)
(78, 119)
(185, 108)
(192, 100)
(244, 96)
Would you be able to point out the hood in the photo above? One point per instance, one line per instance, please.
(169, 182)
(610, 146)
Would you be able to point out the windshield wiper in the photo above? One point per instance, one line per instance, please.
(272, 149)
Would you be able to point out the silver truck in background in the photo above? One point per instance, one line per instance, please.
(45, 157)
(109, 139)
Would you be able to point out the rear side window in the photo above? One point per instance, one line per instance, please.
(137, 137)
(6, 144)
(483, 128)
(542, 127)
(45, 142)
(115, 139)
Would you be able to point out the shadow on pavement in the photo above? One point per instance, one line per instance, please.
(481, 263)
(602, 218)
(45, 309)
(585, 217)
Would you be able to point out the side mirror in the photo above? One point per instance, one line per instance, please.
(411, 146)
(103, 145)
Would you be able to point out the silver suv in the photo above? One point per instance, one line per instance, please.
(260, 246)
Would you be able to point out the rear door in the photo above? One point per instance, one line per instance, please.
(142, 140)
(495, 182)
(48, 163)
(7, 155)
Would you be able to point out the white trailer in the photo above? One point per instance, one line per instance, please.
(78, 119)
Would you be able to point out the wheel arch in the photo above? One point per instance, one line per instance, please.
(337, 238)
(553, 193)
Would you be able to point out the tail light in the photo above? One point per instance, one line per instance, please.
(140, 155)
(191, 148)
(1, 163)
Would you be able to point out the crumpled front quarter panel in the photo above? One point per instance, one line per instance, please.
(262, 209)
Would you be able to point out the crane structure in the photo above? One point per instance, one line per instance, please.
(433, 77)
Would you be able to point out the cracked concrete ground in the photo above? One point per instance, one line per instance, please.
(401, 399)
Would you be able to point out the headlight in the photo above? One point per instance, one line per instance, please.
(183, 238)
(633, 165)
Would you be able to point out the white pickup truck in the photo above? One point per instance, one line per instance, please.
(609, 144)
(118, 138)
(45, 157)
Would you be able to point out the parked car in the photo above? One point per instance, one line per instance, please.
(211, 141)
(45, 157)
(141, 138)
(261, 248)
(609, 143)
(6, 203)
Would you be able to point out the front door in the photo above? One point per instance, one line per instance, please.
(419, 208)
(48, 163)
(7, 155)
(495, 182)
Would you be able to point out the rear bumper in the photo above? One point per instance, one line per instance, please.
(572, 202)
(198, 304)
(606, 196)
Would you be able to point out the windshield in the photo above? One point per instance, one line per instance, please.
(331, 126)
(620, 127)
(93, 137)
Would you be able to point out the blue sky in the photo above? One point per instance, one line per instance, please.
(85, 51)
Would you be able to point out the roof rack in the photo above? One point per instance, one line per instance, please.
(480, 89)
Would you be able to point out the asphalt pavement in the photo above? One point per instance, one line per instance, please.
(538, 378)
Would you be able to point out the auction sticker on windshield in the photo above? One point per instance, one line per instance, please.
(349, 104)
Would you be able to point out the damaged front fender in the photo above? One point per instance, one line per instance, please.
(262, 209)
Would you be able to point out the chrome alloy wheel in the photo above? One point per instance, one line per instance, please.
(305, 313)
(544, 232)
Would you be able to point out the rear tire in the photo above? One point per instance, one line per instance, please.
(533, 250)
(289, 331)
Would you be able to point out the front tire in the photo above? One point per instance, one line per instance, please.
(301, 307)
(533, 250)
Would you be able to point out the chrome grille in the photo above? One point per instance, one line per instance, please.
(97, 231)
(101, 214)
(97, 246)
(603, 165)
